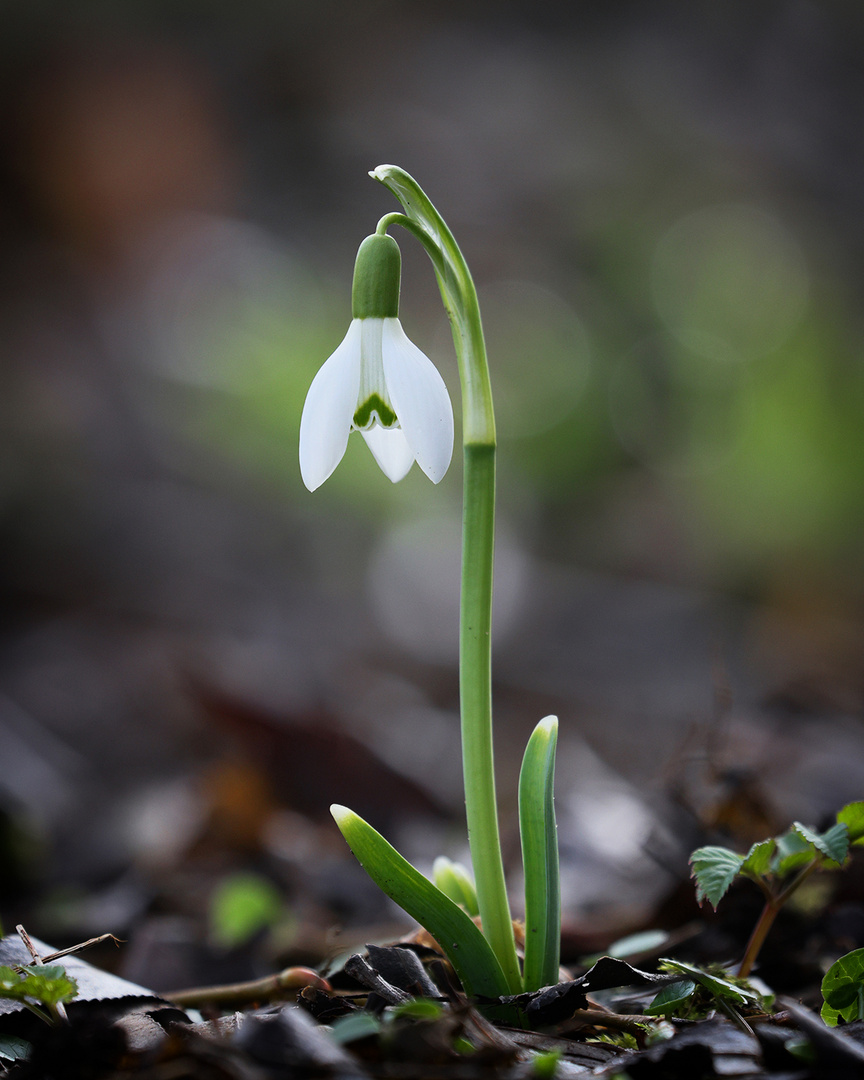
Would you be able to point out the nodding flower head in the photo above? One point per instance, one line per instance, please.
(378, 383)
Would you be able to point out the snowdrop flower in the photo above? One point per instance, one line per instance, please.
(378, 383)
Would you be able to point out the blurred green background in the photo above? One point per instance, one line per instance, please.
(661, 204)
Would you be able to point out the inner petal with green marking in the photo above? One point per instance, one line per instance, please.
(374, 410)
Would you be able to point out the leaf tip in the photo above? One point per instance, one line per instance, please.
(548, 725)
(341, 814)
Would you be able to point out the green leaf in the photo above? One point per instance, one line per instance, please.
(833, 844)
(801, 1048)
(540, 858)
(418, 1009)
(793, 851)
(544, 1064)
(353, 1027)
(454, 881)
(843, 989)
(852, 816)
(721, 988)
(671, 998)
(14, 1049)
(757, 861)
(46, 984)
(466, 948)
(714, 868)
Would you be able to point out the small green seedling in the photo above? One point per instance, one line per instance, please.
(843, 989)
(779, 866)
(395, 1022)
(40, 989)
(698, 989)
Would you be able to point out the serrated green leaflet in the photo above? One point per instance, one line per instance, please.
(47, 985)
(792, 852)
(843, 989)
(714, 868)
(540, 857)
(466, 948)
(852, 816)
(671, 998)
(833, 844)
(758, 858)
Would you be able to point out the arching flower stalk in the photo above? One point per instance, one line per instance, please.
(377, 383)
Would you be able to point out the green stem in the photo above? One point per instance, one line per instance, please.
(475, 687)
(478, 541)
(757, 938)
(769, 914)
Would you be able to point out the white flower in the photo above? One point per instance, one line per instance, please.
(378, 383)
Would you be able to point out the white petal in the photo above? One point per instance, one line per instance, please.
(329, 410)
(391, 450)
(420, 400)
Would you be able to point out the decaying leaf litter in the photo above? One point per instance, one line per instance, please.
(397, 1010)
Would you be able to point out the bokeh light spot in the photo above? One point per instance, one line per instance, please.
(730, 281)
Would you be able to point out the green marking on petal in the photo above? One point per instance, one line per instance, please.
(363, 418)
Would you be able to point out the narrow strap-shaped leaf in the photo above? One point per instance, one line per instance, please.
(540, 857)
(466, 948)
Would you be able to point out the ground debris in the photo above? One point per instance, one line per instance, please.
(385, 1016)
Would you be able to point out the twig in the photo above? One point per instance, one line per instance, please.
(272, 986)
(58, 1009)
(79, 947)
(28, 944)
(631, 1024)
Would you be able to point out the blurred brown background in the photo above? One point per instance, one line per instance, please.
(663, 208)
